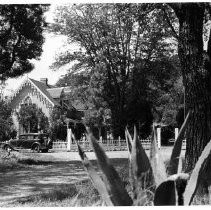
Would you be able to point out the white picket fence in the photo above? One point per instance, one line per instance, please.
(114, 145)
(108, 145)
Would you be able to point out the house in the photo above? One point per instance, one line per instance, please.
(46, 97)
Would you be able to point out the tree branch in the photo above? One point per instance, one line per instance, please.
(169, 23)
(209, 45)
(176, 7)
(14, 50)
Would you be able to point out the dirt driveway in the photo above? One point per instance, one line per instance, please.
(60, 168)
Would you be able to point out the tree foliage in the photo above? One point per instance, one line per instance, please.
(122, 42)
(6, 125)
(21, 38)
(77, 83)
(88, 90)
(32, 119)
(166, 89)
(58, 129)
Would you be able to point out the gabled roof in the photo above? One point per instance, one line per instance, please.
(43, 88)
(55, 92)
(50, 93)
(40, 86)
(78, 105)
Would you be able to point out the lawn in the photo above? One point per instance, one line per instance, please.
(17, 160)
(81, 193)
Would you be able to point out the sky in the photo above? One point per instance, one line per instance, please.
(52, 45)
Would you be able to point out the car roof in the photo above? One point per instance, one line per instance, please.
(33, 134)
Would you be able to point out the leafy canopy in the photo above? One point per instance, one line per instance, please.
(58, 129)
(6, 125)
(32, 118)
(124, 43)
(21, 38)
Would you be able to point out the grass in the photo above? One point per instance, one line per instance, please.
(201, 200)
(79, 194)
(17, 160)
(9, 162)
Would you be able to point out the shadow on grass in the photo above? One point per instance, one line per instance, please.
(78, 194)
(49, 178)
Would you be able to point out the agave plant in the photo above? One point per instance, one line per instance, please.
(169, 185)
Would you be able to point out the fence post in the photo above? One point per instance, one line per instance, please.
(101, 139)
(84, 142)
(119, 143)
(69, 139)
(159, 137)
(176, 133)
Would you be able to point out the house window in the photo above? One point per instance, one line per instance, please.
(27, 101)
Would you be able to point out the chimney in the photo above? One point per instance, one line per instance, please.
(44, 81)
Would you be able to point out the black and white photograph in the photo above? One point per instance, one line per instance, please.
(105, 103)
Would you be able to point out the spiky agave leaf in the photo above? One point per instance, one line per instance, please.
(95, 178)
(157, 163)
(139, 159)
(170, 192)
(115, 187)
(165, 194)
(196, 175)
(128, 141)
(175, 155)
(180, 165)
(153, 146)
(141, 176)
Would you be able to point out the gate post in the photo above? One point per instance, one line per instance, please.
(176, 133)
(119, 143)
(159, 137)
(101, 140)
(69, 139)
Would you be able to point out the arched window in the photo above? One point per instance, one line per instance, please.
(27, 101)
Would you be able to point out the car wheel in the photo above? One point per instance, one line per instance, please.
(36, 148)
(6, 148)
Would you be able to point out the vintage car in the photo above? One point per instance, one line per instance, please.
(38, 142)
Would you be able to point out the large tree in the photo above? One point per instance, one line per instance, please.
(32, 119)
(196, 73)
(121, 42)
(58, 127)
(21, 38)
(6, 125)
(87, 90)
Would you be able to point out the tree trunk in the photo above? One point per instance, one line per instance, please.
(118, 123)
(100, 131)
(196, 78)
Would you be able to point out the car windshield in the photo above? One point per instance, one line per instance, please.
(33, 136)
(42, 136)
